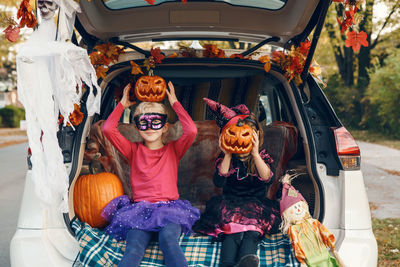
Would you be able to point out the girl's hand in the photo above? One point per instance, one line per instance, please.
(126, 103)
(256, 144)
(171, 93)
(226, 153)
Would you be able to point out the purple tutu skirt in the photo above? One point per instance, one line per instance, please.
(124, 215)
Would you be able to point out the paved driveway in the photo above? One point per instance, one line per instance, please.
(381, 170)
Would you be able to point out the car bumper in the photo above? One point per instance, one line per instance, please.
(358, 248)
(30, 247)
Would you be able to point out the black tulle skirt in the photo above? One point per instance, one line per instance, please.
(227, 214)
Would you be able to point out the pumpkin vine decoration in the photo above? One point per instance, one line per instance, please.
(349, 22)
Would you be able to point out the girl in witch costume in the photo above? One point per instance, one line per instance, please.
(156, 206)
(242, 214)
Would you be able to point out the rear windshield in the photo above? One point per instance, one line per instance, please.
(265, 4)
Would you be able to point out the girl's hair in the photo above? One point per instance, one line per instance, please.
(251, 165)
(147, 107)
(144, 107)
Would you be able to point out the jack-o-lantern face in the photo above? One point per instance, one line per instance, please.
(237, 139)
(150, 88)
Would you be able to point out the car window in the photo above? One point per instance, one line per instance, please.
(271, 4)
(274, 105)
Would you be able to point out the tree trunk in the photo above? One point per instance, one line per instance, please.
(364, 56)
(343, 55)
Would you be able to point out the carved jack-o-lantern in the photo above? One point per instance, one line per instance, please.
(237, 139)
(150, 88)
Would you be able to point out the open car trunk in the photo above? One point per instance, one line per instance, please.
(229, 83)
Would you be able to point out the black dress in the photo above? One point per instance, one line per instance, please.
(243, 205)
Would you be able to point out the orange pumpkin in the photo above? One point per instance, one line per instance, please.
(150, 88)
(92, 193)
(237, 139)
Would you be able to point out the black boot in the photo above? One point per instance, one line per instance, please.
(250, 260)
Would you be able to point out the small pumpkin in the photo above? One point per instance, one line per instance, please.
(237, 138)
(150, 88)
(92, 193)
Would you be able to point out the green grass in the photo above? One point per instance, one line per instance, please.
(387, 234)
(377, 138)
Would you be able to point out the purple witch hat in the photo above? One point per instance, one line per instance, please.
(227, 116)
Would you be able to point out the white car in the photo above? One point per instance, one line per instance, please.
(319, 146)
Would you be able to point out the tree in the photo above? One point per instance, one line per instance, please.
(353, 67)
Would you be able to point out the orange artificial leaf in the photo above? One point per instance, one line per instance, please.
(77, 116)
(264, 59)
(211, 50)
(113, 52)
(97, 58)
(135, 68)
(157, 55)
(186, 51)
(25, 12)
(12, 33)
(101, 71)
(355, 40)
(267, 66)
(173, 55)
(102, 48)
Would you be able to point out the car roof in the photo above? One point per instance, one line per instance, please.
(216, 20)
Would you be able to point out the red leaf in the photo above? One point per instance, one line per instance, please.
(355, 40)
(240, 56)
(184, 1)
(151, 2)
(12, 33)
(304, 47)
(156, 53)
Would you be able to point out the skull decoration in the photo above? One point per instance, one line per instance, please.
(237, 138)
(47, 8)
(150, 88)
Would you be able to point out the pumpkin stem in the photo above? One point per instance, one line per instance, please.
(151, 72)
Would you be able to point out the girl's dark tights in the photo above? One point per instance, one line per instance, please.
(235, 246)
(137, 241)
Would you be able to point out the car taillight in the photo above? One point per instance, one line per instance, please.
(347, 149)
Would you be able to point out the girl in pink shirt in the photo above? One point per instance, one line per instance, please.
(155, 205)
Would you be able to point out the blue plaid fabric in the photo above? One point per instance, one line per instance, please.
(98, 249)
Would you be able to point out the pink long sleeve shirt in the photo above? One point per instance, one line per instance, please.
(154, 173)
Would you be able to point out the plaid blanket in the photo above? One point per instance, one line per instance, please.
(98, 249)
